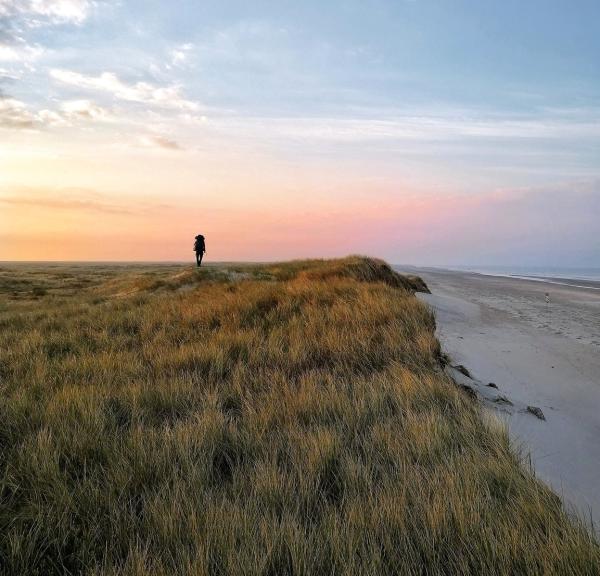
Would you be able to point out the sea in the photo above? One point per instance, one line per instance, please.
(579, 277)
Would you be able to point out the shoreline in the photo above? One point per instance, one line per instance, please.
(520, 352)
(573, 281)
(583, 283)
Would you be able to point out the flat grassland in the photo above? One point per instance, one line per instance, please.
(270, 419)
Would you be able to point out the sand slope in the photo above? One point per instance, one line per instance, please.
(537, 354)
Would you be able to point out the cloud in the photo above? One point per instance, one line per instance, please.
(84, 110)
(17, 50)
(18, 17)
(7, 76)
(50, 118)
(160, 142)
(60, 202)
(14, 114)
(78, 200)
(180, 54)
(142, 92)
(430, 127)
(36, 12)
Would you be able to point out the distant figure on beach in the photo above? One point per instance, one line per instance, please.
(199, 249)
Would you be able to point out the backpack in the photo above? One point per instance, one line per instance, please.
(199, 243)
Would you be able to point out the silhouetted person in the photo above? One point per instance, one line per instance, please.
(199, 249)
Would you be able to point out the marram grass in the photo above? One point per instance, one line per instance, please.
(253, 420)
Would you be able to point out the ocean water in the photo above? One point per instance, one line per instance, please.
(544, 273)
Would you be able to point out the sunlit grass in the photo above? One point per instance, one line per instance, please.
(276, 419)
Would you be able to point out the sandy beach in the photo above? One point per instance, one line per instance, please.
(538, 354)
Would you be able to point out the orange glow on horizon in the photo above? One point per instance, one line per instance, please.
(93, 229)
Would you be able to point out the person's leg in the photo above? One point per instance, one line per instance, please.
(198, 258)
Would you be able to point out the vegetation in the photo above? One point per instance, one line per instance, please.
(269, 420)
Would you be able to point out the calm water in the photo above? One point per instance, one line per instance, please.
(536, 272)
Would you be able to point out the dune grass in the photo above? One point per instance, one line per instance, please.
(269, 420)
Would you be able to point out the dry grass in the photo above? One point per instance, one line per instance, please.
(277, 419)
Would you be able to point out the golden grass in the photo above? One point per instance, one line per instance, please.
(276, 419)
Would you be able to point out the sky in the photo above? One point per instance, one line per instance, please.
(429, 132)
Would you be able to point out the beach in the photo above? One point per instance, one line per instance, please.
(535, 354)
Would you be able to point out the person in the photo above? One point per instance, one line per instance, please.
(199, 249)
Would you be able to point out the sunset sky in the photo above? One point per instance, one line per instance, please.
(420, 131)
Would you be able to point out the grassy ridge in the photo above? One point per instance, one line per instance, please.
(277, 419)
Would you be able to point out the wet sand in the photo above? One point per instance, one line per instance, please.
(537, 354)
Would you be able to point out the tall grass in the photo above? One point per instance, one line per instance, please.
(277, 419)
